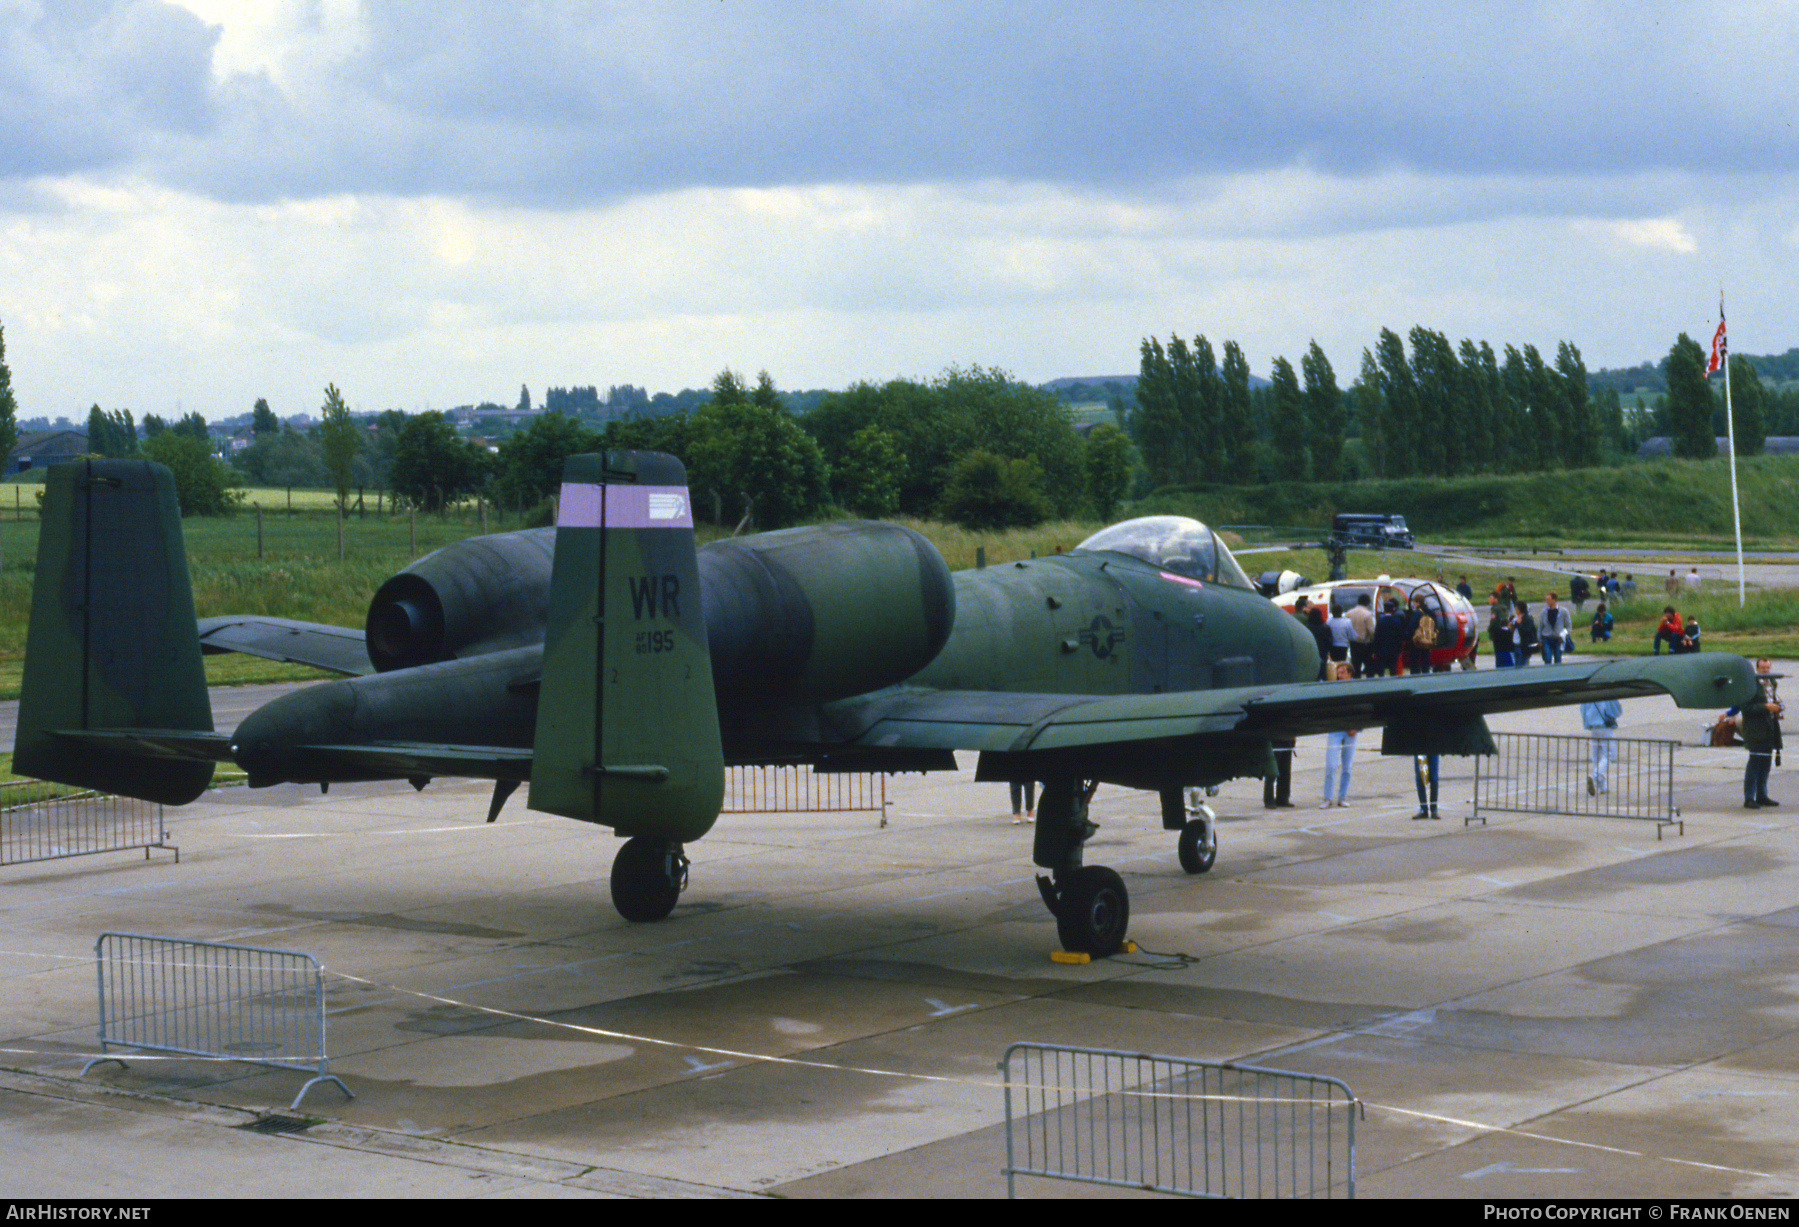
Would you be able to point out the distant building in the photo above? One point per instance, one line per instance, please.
(41, 448)
(1661, 445)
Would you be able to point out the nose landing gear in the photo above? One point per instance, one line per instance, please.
(1198, 843)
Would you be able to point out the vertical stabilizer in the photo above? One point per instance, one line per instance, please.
(112, 642)
(627, 724)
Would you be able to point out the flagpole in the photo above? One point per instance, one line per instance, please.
(1720, 357)
(1730, 431)
(1736, 503)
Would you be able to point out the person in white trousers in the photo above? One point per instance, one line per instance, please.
(1601, 721)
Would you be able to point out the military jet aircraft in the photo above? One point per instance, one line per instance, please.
(618, 670)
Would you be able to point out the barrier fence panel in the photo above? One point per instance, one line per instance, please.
(1173, 1125)
(800, 790)
(1607, 777)
(40, 821)
(208, 999)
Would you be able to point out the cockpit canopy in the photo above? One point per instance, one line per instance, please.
(1176, 544)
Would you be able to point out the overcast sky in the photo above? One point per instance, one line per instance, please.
(207, 201)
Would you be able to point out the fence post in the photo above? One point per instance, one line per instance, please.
(258, 507)
(412, 529)
(483, 501)
(340, 532)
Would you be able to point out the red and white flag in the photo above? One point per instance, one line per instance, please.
(1720, 348)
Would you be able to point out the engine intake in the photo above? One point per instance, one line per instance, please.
(480, 595)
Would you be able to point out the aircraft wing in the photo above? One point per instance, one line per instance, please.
(1026, 723)
(336, 648)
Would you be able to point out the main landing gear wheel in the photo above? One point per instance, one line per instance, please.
(648, 876)
(1093, 911)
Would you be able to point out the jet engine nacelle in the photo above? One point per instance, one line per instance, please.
(808, 615)
(485, 594)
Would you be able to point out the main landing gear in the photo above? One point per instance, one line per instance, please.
(648, 876)
(1090, 903)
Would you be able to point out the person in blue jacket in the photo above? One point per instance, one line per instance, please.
(1602, 625)
(1601, 722)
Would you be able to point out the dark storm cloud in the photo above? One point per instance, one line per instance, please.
(564, 103)
(84, 85)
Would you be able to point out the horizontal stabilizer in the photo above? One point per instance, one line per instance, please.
(152, 743)
(404, 759)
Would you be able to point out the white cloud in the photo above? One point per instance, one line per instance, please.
(1662, 233)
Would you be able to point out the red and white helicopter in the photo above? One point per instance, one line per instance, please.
(1458, 631)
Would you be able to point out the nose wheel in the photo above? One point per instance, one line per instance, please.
(1198, 842)
(648, 876)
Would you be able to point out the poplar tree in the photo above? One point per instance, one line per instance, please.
(1324, 415)
(1749, 406)
(9, 408)
(1371, 414)
(1400, 418)
(1520, 453)
(1208, 458)
(1287, 420)
(1475, 410)
(1580, 437)
(1542, 414)
(1689, 401)
(1236, 426)
(1154, 421)
(1189, 411)
(1435, 375)
(337, 439)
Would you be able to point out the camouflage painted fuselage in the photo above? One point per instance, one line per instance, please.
(1103, 623)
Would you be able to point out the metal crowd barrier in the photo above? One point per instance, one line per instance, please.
(1173, 1125)
(207, 999)
(800, 790)
(1535, 773)
(40, 821)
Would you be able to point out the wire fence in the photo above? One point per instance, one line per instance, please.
(800, 790)
(1172, 1125)
(1599, 775)
(41, 821)
(209, 999)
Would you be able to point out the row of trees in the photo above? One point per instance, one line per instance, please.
(1195, 419)
(973, 445)
(1440, 410)
(1447, 412)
